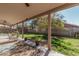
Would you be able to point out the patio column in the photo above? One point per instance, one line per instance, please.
(10, 29)
(49, 31)
(17, 31)
(22, 30)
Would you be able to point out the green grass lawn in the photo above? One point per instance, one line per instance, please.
(38, 37)
(74, 42)
(67, 46)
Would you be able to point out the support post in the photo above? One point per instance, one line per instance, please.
(49, 31)
(22, 30)
(17, 31)
(9, 33)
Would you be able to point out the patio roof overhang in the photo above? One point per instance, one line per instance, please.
(15, 13)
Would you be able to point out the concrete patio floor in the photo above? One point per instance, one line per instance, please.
(53, 53)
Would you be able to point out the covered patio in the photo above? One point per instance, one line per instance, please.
(19, 13)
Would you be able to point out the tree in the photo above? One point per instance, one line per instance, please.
(33, 23)
(41, 23)
(57, 22)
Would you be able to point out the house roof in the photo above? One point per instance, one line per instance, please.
(17, 12)
(70, 25)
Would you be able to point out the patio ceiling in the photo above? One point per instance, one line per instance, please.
(17, 12)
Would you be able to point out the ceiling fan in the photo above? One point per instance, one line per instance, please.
(27, 4)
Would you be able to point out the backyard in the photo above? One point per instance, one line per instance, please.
(51, 30)
(66, 46)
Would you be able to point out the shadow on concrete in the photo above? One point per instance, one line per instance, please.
(47, 52)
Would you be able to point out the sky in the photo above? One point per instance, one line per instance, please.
(71, 15)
